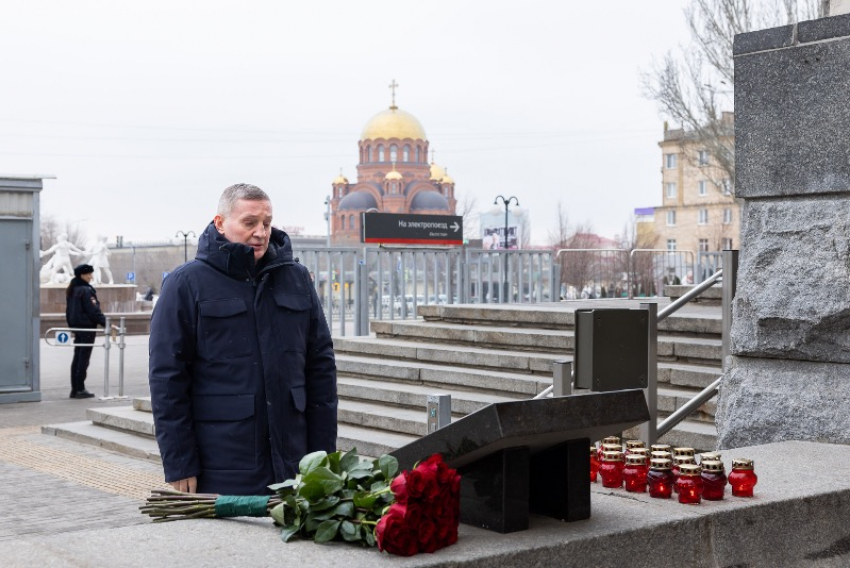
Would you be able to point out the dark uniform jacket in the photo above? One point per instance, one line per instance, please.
(242, 372)
(82, 309)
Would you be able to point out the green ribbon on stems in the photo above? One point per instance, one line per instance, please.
(242, 506)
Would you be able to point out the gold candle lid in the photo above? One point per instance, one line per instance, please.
(612, 448)
(611, 440)
(683, 451)
(660, 463)
(711, 465)
(631, 444)
(709, 456)
(593, 449)
(689, 469)
(662, 455)
(742, 463)
(612, 456)
(640, 452)
(683, 460)
(635, 459)
(661, 448)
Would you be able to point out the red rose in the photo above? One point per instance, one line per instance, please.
(455, 485)
(392, 536)
(415, 483)
(399, 488)
(413, 515)
(428, 541)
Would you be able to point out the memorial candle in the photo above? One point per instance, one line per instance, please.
(689, 484)
(743, 477)
(594, 464)
(660, 478)
(611, 469)
(713, 480)
(635, 473)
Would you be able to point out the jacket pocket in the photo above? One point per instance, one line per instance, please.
(299, 398)
(225, 430)
(293, 319)
(224, 328)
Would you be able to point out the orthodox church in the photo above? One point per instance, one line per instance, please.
(393, 176)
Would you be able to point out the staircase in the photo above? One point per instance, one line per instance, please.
(479, 354)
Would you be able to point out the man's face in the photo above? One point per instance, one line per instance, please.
(249, 223)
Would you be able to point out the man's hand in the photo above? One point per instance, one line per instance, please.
(188, 485)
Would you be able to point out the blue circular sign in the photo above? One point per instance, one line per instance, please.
(63, 337)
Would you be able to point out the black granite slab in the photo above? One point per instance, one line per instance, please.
(823, 28)
(763, 40)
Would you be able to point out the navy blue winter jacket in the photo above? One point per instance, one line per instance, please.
(82, 309)
(242, 372)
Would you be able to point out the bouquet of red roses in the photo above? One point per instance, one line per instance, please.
(339, 496)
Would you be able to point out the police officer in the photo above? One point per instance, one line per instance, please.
(82, 311)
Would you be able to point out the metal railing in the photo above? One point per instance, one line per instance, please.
(359, 284)
(112, 334)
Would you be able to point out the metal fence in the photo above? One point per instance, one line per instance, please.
(358, 284)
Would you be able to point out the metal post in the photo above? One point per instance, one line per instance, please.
(361, 312)
(730, 277)
(562, 380)
(106, 331)
(122, 330)
(649, 430)
(439, 408)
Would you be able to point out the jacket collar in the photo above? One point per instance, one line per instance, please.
(237, 259)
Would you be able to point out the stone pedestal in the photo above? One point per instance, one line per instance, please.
(790, 371)
(114, 298)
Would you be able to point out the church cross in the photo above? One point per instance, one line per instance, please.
(393, 87)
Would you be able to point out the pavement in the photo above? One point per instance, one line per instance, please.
(65, 504)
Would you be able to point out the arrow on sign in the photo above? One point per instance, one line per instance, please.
(62, 337)
(454, 227)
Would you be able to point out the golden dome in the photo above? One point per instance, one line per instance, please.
(392, 175)
(447, 179)
(340, 179)
(393, 123)
(437, 173)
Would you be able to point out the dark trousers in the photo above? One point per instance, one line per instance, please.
(82, 355)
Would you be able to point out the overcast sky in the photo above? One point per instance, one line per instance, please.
(146, 111)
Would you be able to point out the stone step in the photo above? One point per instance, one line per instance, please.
(490, 338)
(414, 396)
(369, 442)
(123, 418)
(128, 443)
(389, 418)
(424, 373)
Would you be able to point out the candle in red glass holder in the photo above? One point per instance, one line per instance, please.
(689, 484)
(661, 448)
(660, 478)
(611, 469)
(632, 444)
(709, 456)
(609, 441)
(678, 461)
(683, 452)
(634, 473)
(713, 480)
(743, 477)
(661, 455)
(594, 464)
(643, 452)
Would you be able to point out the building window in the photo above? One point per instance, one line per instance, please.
(371, 157)
(405, 156)
(727, 187)
(671, 190)
(703, 217)
(417, 155)
(702, 157)
(351, 222)
(342, 222)
(340, 192)
(727, 244)
(671, 245)
(393, 153)
(670, 161)
(703, 245)
(727, 216)
(671, 218)
(703, 188)
(380, 153)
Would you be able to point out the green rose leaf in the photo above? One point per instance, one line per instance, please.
(369, 535)
(312, 491)
(288, 532)
(349, 531)
(277, 513)
(365, 500)
(388, 465)
(333, 462)
(311, 524)
(344, 509)
(327, 530)
(312, 461)
(326, 503)
(328, 480)
(349, 460)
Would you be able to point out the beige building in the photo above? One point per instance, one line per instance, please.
(699, 212)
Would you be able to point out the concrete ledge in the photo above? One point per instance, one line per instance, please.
(798, 518)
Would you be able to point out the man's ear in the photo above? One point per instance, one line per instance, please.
(218, 221)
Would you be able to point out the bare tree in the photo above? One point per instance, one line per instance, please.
(693, 86)
(51, 228)
(467, 208)
(639, 268)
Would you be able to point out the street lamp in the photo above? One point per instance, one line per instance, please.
(328, 219)
(185, 236)
(505, 292)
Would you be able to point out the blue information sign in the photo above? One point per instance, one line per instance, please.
(131, 277)
(63, 337)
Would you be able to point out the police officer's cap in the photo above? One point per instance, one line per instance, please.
(83, 269)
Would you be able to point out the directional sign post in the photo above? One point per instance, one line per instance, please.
(394, 228)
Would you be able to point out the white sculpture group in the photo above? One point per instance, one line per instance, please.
(59, 269)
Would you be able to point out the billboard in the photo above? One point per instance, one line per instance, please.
(493, 230)
(412, 229)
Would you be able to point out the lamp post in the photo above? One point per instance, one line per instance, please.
(505, 292)
(185, 236)
(328, 219)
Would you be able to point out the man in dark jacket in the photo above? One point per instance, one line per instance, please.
(242, 372)
(82, 311)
